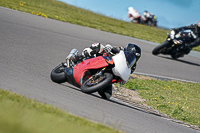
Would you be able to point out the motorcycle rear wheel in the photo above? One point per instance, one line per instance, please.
(58, 75)
(158, 49)
(90, 87)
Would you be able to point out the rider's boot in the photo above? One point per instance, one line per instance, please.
(106, 93)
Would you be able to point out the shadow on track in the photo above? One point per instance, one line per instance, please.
(180, 60)
(135, 107)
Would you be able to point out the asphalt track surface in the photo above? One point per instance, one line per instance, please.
(31, 46)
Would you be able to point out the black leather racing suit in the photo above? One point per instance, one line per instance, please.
(196, 34)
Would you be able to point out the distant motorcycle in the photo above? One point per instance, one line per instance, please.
(94, 74)
(151, 21)
(174, 45)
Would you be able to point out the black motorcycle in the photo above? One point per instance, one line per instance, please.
(175, 44)
(151, 21)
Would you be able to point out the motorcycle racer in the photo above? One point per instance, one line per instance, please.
(147, 15)
(98, 49)
(134, 15)
(195, 34)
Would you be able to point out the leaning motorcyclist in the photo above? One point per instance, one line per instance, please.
(134, 15)
(98, 49)
(195, 34)
(147, 16)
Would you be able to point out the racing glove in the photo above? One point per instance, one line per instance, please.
(87, 52)
(108, 48)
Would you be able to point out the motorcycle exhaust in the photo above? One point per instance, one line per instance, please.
(72, 53)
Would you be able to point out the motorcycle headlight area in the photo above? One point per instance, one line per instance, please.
(172, 33)
(121, 68)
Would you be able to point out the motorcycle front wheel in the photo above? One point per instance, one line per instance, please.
(158, 49)
(58, 75)
(92, 85)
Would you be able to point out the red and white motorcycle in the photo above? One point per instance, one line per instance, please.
(94, 74)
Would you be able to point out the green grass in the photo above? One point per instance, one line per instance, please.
(63, 12)
(21, 115)
(179, 100)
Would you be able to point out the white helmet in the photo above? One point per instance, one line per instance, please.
(130, 8)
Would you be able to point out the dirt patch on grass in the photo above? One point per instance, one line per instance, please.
(129, 95)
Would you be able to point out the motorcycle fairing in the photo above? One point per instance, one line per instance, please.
(69, 77)
(82, 67)
(121, 68)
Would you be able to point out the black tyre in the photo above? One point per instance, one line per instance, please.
(158, 49)
(58, 75)
(90, 86)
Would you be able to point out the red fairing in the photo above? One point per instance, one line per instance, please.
(93, 63)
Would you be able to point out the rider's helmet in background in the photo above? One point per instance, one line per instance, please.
(133, 48)
(130, 8)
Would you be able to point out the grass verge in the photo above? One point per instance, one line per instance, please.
(64, 12)
(178, 100)
(21, 115)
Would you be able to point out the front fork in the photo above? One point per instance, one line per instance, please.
(97, 75)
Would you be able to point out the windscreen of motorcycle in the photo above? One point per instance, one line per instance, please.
(121, 68)
(130, 58)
